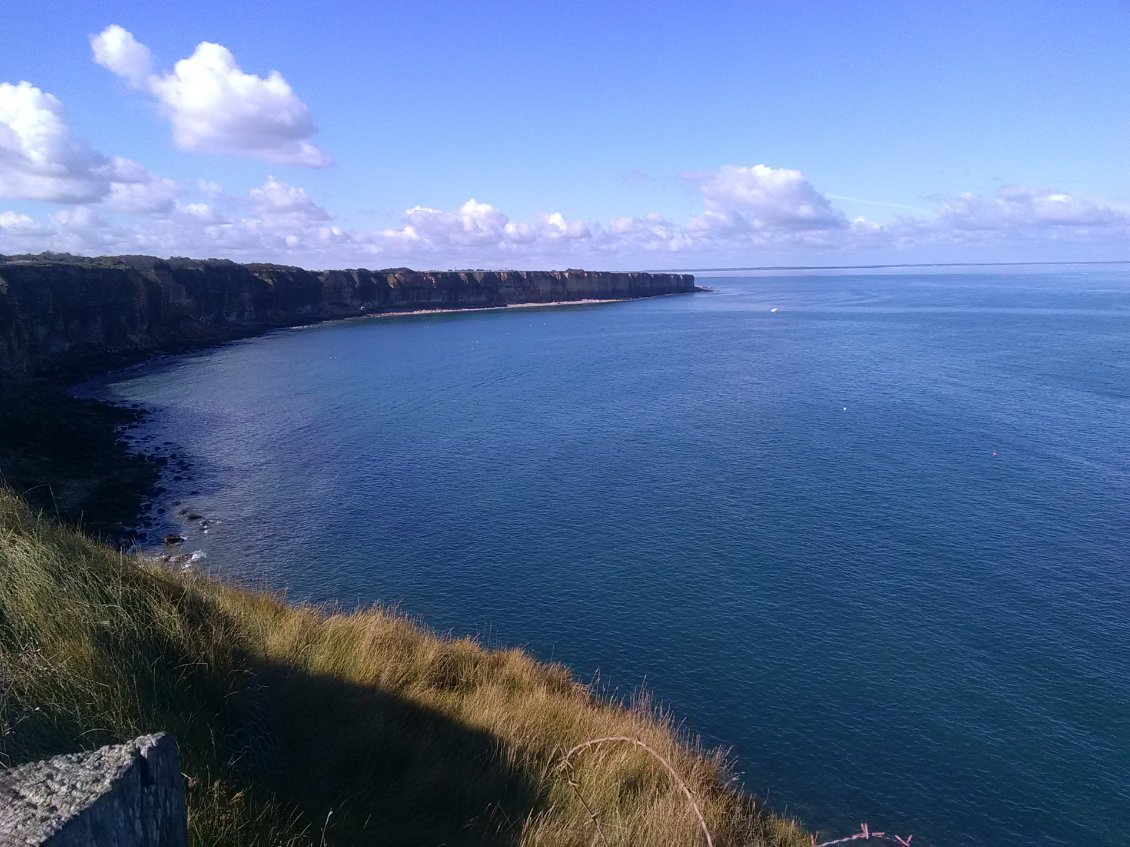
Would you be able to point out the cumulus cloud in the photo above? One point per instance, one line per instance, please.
(276, 197)
(1024, 221)
(204, 213)
(81, 230)
(272, 221)
(473, 224)
(760, 199)
(770, 209)
(765, 216)
(14, 225)
(213, 105)
(1025, 207)
(118, 51)
(136, 191)
(281, 222)
(41, 159)
(275, 218)
(483, 227)
(153, 196)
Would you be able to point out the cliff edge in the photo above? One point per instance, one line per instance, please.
(62, 313)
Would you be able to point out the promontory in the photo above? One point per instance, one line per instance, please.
(62, 313)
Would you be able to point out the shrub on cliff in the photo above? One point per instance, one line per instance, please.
(302, 725)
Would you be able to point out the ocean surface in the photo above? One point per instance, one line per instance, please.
(876, 541)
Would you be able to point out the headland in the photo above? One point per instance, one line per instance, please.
(64, 317)
(62, 314)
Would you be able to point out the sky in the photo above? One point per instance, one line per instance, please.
(619, 136)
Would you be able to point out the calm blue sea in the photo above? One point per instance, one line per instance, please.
(877, 541)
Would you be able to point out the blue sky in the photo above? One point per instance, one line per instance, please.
(605, 135)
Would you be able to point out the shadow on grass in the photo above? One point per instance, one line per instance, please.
(360, 765)
(383, 769)
(95, 649)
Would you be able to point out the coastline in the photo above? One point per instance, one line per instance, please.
(147, 509)
(591, 301)
(586, 302)
(69, 455)
(68, 315)
(165, 508)
(71, 460)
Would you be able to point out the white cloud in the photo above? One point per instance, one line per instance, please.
(16, 224)
(1023, 207)
(41, 159)
(213, 105)
(555, 227)
(118, 51)
(80, 229)
(204, 213)
(759, 199)
(275, 221)
(473, 224)
(482, 227)
(136, 191)
(158, 197)
(209, 188)
(779, 211)
(276, 197)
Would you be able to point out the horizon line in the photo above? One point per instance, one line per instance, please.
(893, 265)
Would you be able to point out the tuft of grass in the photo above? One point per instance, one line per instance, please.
(299, 725)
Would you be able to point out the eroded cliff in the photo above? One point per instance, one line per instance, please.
(62, 313)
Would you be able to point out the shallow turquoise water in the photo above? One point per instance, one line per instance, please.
(875, 541)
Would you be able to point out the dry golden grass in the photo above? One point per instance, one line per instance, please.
(297, 725)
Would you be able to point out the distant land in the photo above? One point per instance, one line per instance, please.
(878, 267)
(60, 312)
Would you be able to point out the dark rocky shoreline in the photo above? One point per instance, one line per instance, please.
(65, 456)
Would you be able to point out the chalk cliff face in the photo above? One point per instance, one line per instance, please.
(64, 312)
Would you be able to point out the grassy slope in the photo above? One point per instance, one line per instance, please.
(285, 714)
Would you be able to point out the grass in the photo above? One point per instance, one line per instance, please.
(300, 725)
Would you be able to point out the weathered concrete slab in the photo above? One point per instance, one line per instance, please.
(126, 795)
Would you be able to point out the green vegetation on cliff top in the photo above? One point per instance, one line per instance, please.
(303, 725)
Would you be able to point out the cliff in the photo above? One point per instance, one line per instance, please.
(62, 313)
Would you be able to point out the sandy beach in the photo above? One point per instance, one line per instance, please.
(400, 314)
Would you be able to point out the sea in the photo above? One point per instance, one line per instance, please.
(868, 531)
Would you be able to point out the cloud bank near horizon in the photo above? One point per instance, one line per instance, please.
(279, 222)
(746, 214)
